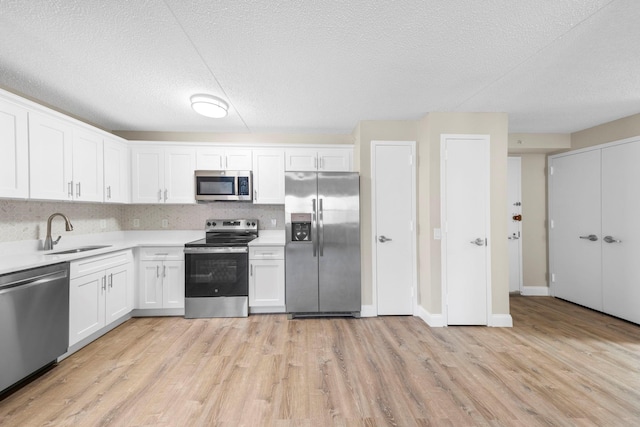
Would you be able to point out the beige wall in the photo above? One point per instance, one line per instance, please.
(427, 134)
(607, 132)
(388, 130)
(534, 220)
(496, 126)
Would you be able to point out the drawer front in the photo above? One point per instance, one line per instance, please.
(161, 253)
(266, 252)
(90, 265)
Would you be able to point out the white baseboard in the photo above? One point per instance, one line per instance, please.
(500, 321)
(535, 291)
(433, 320)
(368, 311)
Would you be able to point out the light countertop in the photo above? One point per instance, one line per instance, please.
(16, 256)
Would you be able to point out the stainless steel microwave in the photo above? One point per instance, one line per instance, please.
(214, 186)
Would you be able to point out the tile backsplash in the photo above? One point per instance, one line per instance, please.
(27, 220)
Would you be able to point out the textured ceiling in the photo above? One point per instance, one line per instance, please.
(322, 66)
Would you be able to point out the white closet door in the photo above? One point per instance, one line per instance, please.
(620, 214)
(576, 271)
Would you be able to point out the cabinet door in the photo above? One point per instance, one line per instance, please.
(238, 160)
(150, 284)
(576, 265)
(620, 213)
(50, 158)
(179, 181)
(268, 176)
(334, 160)
(119, 280)
(147, 175)
(116, 172)
(211, 159)
(87, 166)
(86, 305)
(301, 159)
(266, 283)
(14, 161)
(173, 286)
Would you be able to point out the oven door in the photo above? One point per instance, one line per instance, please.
(216, 272)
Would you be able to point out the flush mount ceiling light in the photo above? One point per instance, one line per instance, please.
(209, 106)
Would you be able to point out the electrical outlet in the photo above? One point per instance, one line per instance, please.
(165, 223)
(274, 222)
(136, 223)
(103, 224)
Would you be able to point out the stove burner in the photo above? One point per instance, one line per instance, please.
(227, 233)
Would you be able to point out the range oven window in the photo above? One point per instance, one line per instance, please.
(216, 186)
(216, 274)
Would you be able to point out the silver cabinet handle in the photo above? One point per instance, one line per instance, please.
(165, 194)
(255, 194)
(159, 195)
(104, 283)
(251, 270)
(111, 280)
(164, 271)
(157, 271)
(383, 239)
(590, 237)
(78, 190)
(478, 242)
(70, 189)
(109, 192)
(610, 239)
(315, 163)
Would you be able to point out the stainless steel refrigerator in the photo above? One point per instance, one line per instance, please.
(322, 253)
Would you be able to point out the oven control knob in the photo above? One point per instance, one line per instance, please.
(208, 223)
(253, 224)
(213, 224)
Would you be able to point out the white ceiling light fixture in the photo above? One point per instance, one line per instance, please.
(210, 106)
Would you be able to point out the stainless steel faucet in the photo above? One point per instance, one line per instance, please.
(48, 241)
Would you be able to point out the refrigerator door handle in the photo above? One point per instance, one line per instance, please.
(314, 233)
(321, 228)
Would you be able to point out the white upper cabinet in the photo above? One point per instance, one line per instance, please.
(87, 166)
(319, 159)
(50, 157)
(163, 174)
(116, 171)
(65, 163)
(222, 158)
(14, 161)
(268, 176)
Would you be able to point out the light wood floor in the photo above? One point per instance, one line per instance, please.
(559, 365)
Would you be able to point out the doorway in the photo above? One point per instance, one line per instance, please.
(514, 223)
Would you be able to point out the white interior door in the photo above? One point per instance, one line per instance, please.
(394, 254)
(620, 231)
(575, 224)
(514, 222)
(465, 216)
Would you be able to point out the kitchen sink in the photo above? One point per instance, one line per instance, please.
(80, 249)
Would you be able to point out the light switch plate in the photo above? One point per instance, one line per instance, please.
(437, 234)
(165, 223)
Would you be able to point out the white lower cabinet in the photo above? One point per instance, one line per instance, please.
(161, 278)
(266, 279)
(99, 293)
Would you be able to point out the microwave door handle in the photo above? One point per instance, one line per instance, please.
(314, 232)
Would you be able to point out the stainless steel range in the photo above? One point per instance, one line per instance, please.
(217, 269)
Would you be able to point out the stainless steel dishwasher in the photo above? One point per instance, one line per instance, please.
(34, 321)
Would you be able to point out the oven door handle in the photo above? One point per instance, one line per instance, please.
(216, 250)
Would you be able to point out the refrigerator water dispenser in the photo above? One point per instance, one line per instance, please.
(300, 227)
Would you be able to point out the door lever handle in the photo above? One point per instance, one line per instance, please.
(383, 239)
(478, 242)
(591, 237)
(610, 239)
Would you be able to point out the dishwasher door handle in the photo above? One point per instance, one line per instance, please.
(32, 281)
